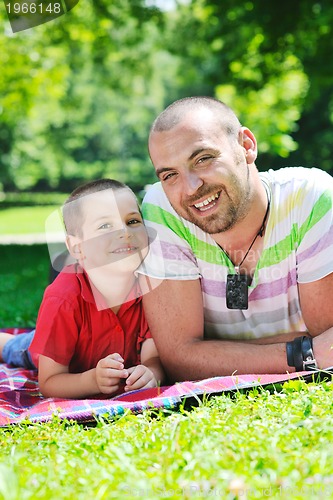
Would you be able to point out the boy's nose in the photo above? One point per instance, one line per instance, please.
(124, 232)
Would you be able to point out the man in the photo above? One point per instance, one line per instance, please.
(245, 259)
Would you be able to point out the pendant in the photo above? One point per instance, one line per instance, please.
(237, 292)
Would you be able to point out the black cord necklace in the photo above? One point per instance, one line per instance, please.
(237, 291)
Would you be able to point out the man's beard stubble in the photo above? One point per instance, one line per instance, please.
(233, 207)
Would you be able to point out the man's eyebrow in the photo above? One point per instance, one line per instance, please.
(160, 171)
(201, 150)
(196, 152)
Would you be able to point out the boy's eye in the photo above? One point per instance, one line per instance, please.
(134, 221)
(104, 226)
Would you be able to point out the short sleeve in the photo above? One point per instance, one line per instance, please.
(56, 330)
(315, 228)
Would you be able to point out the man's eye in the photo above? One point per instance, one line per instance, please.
(168, 176)
(203, 159)
(105, 226)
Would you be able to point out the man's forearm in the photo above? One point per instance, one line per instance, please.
(211, 358)
(277, 339)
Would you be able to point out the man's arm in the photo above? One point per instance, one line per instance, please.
(316, 300)
(174, 312)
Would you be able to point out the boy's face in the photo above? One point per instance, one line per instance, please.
(112, 231)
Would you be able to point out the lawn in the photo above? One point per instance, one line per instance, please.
(24, 272)
(25, 220)
(263, 444)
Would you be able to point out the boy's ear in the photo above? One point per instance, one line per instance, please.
(73, 244)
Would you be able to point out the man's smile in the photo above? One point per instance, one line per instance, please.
(207, 203)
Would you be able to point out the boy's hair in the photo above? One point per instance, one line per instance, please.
(72, 212)
(176, 112)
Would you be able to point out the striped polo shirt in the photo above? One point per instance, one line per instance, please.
(298, 248)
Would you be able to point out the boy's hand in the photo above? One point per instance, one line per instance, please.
(109, 371)
(140, 377)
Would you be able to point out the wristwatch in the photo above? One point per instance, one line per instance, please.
(300, 354)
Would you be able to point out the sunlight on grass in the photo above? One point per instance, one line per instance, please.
(259, 445)
(24, 220)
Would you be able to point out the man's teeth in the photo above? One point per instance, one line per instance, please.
(206, 201)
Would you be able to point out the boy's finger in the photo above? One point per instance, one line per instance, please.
(110, 362)
(142, 383)
(136, 374)
(111, 382)
(116, 356)
(108, 389)
(115, 373)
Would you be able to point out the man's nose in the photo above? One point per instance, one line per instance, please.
(192, 183)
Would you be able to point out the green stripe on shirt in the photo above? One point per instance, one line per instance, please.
(202, 250)
(319, 210)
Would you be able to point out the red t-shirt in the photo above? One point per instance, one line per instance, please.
(73, 332)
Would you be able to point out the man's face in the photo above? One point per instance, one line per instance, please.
(204, 174)
(112, 231)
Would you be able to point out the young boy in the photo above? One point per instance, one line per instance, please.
(91, 334)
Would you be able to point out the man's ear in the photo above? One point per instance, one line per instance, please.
(73, 244)
(249, 143)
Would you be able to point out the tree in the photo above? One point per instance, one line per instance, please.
(93, 86)
(270, 61)
(79, 94)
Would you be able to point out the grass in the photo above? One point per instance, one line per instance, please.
(263, 444)
(24, 273)
(259, 445)
(25, 220)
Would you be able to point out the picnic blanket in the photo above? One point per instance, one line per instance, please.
(20, 399)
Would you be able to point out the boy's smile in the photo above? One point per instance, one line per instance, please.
(126, 249)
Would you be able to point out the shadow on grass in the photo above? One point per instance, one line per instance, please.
(24, 274)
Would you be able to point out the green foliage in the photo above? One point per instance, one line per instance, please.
(262, 59)
(85, 105)
(78, 95)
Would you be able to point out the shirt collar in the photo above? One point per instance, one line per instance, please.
(90, 294)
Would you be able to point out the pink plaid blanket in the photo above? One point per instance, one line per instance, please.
(21, 400)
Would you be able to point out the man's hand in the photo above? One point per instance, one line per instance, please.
(140, 377)
(109, 371)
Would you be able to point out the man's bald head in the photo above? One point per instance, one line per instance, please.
(177, 111)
